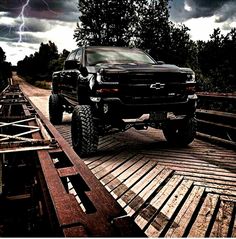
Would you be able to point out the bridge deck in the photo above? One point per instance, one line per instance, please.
(170, 192)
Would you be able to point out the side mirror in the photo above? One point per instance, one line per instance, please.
(83, 70)
(70, 65)
(160, 62)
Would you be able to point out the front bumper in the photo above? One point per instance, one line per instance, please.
(188, 105)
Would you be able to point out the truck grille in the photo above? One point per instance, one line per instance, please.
(144, 88)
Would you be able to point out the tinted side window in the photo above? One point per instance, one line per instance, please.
(71, 57)
(78, 55)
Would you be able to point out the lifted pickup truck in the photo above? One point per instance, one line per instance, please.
(111, 89)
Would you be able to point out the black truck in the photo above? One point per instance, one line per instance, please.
(112, 89)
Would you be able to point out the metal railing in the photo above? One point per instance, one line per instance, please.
(45, 188)
(216, 115)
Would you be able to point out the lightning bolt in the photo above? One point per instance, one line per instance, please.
(22, 16)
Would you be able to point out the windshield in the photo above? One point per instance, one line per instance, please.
(96, 56)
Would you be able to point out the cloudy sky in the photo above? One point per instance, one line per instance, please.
(55, 20)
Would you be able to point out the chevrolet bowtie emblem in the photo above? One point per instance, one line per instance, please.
(157, 86)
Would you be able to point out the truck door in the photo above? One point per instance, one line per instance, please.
(69, 76)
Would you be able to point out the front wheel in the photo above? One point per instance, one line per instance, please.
(55, 109)
(84, 131)
(181, 134)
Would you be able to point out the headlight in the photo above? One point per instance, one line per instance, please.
(91, 81)
(190, 78)
(99, 77)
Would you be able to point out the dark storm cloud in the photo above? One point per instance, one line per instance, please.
(39, 16)
(223, 9)
(8, 33)
(42, 9)
(29, 38)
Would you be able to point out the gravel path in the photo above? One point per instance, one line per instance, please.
(38, 96)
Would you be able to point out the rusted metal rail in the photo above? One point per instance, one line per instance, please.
(217, 118)
(46, 189)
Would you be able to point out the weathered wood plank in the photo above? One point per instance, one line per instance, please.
(160, 222)
(221, 165)
(157, 202)
(139, 186)
(222, 222)
(122, 177)
(137, 203)
(111, 164)
(130, 181)
(100, 161)
(204, 217)
(220, 178)
(234, 224)
(213, 181)
(184, 216)
(197, 168)
(114, 174)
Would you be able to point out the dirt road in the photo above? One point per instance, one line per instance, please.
(38, 96)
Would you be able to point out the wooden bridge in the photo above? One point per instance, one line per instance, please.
(166, 191)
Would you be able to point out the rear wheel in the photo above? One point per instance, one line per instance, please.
(55, 109)
(84, 131)
(181, 134)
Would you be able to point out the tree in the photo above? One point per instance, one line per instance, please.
(217, 59)
(2, 55)
(182, 50)
(41, 64)
(5, 70)
(106, 22)
(154, 28)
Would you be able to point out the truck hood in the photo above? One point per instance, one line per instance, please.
(142, 68)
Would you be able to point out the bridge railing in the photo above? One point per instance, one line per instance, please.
(45, 188)
(216, 115)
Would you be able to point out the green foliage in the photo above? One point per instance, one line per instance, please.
(5, 70)
(154, 28)
(42, 64)
(217, 61)
(106, 22)
(2, 55)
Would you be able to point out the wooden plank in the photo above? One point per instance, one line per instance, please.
(222, 188)
(223, 218)
(157, 202)
(198, 168)
(110, 165)
(221, 191)
(105, 158)
(210, 180)
(160, 222)
(126, 174)
(204, 217)
(88, 160)
(153, 187)
(134, 191)
(130, 181)
(234, 224)
(196, 151)
(203, 157)
(182, 220)
(114, 174)
(220, 178)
